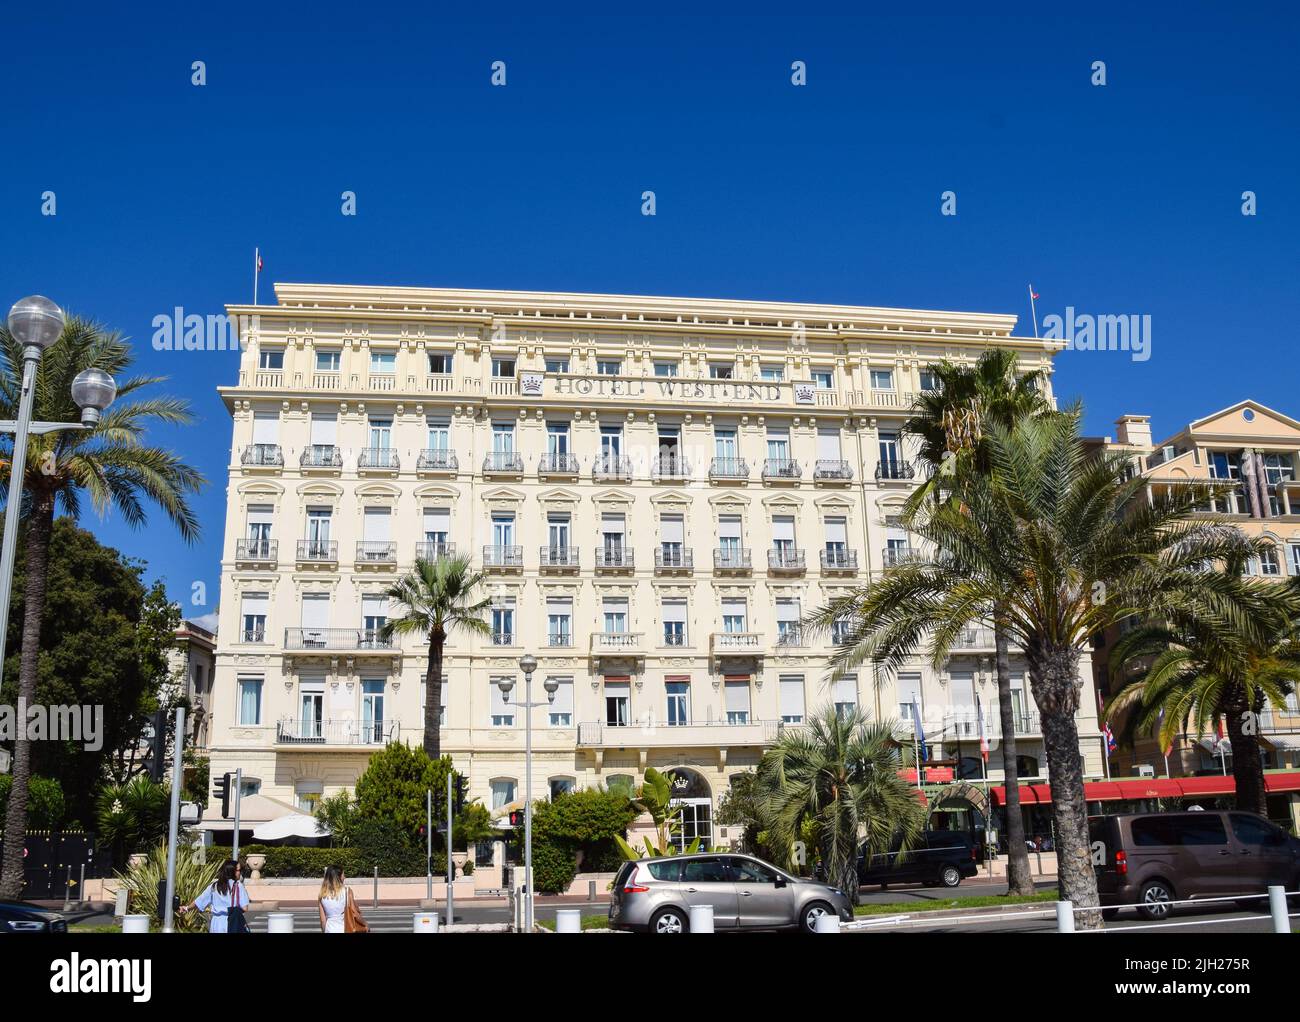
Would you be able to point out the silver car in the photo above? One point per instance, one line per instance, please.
(656, 895)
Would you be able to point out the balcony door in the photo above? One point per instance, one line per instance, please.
(889, 455)
(372, 711)
(679, 701)
(381, 434)
(311, 710)
(618, 700)
(315, 619)
(374, 615)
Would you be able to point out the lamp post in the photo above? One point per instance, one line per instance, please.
(36, 323)
(528, 664)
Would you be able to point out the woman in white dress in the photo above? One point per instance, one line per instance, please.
(333, 901)
(220, 896)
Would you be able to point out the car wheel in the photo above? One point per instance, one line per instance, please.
(811, 913)
(1154, 900)
(950, 876)
(1110, 914)
(670, 920)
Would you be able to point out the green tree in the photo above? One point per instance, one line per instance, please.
(337, 816)
(441, 597)
(46, 807)
(395, 783)
(1062, 542)
(109, 464)
(839, 774)
(949, 423)
(1194, 674)
(104, 630)
(192, 878)
(742, 805)
(655, 798)
(133, 816)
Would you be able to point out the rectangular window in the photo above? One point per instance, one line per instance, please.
(734, 616)
(503, 438)
(845, 694)
(1268, 562)
(618, 699)
(252, 611)
(266, 428)
(719, 371)
(823, 379)
(614, 611)
(250, 701)
(672, 538)
(612, 529)
(503, 793)
(557, 438)
(559, 621)
(314, 618)
(260, 518)
(311, 708)
(679, 700)
(503, 367)
(272, 359)
(736, 701)
(674, 618)
(557, 535)
(783, 534)
(561, 708)
(381, 434)
(665, 369)
(774, 373)
(374, 615)
(787, 622)
(724, 444)
(327, 361)
(557, 365)
(437, 526)
(503, 621)
(910, 706)
(502, 714)
(828, 445)
(611, 443)
(882, 379)
(440, 363)
(837, 531)
(503, 529)
(383, 362)
(439, 437)
(729, 535)
(324, 430)
(318, 531)
(791, 699)
(929, 380)
(608, 367)
(778, 443)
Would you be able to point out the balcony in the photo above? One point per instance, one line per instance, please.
(832, 471)
(893, 556)
(557, 465)
(789, 636)
(559, 640)
(655, 734)
(611, 468)
(503, 463)
(614, 558)
(558, 558)
(786, 559)
(781, 470)
(378, 459)
(887, 471)
(432, 551)
(728, 470)
(331, 640)
(376, 553)
(318, 551)
(965, 726)
(503, 639)
(617, 644)
(320, 458)
(973, 639)
(673, 560)
(439, 383)
(252, 635)
(675, 640)
(671, 468)
(838, 561)
(731, 559)
(503, 558)
(746, 646)
(262, 456)
(436, 461)
(336, 732)
(257, 551)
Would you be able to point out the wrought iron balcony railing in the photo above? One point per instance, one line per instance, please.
(674, 558)
(437, 459)
(431, 551)
(318, 550)
(503, 461)
(378, 458)
(830, 469)
(503, 557)
(837, 559)
(320, 456)
(256, 549)
(559, 557)
(336, 732)
(781, 468)
(731, 559)
(895, 470)
(785, 559)
(557, 463)
(671, 466)
(728, 468)
(262, 456)
(376, 552)
(610, 467)
(614, 558)
(336, 639)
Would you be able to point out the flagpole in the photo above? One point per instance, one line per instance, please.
(257, 256)
(916, 748)
(1033, 309)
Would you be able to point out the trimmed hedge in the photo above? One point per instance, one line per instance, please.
(284, 861)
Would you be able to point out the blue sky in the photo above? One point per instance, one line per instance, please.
(1122, 199)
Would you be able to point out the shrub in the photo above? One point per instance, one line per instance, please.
(133, 817)
(394, 785)
(385, 844)
(45, 804)
(356, 863)
(191, 879)
(554, 867)
(601, 857)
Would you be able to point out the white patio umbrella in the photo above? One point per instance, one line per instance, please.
(292, 825)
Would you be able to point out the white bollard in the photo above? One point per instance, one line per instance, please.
(568, 920)
(827, 924)
(1064, 917)
(135, 924)
(120, 904)
(425, 922)
(1277, 906)
(279, 922)
(701, 919)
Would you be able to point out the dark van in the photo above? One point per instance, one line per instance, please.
(943, 858)
(1151, 859)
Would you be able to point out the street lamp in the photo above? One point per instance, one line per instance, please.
(36, 323)
(528, 664)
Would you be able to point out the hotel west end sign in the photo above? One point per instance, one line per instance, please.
(663, 388)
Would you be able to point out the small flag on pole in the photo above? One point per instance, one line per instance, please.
(984, 739)
(1034, 293)
(920, 733)
(1111, 744)
(259, 264)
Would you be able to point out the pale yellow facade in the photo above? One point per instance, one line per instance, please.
(656, 489)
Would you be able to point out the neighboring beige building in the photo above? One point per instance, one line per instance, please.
(1259, 447)
(193, 663)
(656, 490)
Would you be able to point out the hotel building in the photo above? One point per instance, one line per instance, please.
(1258, 449)
(656, 489)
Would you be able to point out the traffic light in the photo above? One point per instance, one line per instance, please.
(516, 817)
(221, 790)
(458, 793)
(158, 746)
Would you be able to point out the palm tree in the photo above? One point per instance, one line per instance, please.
(949, 423)
(110, 464)
(440, 597)
(1196, 675)
(1060, 542)
(839, 774)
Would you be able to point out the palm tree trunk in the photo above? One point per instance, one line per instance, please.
(1019, 880)
(1054, 674)
(433, 695)
(39, 527)
(1247, 761)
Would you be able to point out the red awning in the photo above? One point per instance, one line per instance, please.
(1133, 789)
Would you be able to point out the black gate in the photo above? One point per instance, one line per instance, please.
(52, 864)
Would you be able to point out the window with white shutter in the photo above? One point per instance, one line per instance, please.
(791, 698)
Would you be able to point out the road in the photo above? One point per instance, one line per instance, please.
(1220, 918)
